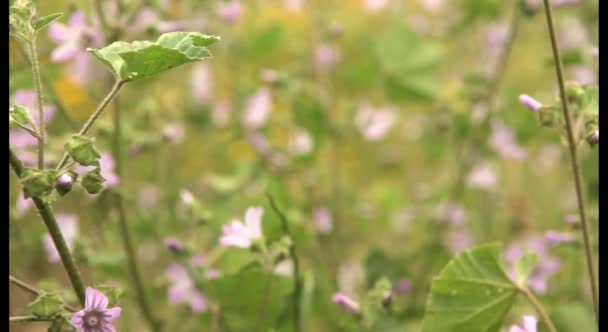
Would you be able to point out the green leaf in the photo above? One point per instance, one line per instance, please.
(472, 293)
(37, 183)
(573, 318)
(19, 116)
(46, 305)
(524, 267)
(61, 324)
(92, 182)
(46, 20)
(143, 59)
(373, 308)
(113, 293)
(82, 149)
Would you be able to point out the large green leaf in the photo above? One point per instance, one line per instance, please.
(573, 318)
(472, 293)
(142, 59)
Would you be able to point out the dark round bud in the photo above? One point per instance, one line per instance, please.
(174, 245)
(388, 299)
(64, 183)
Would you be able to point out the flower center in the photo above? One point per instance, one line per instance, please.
(92, 319)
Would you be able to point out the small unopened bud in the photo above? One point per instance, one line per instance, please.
(574, 91)
(388, 299)
(64, 183)
(347, 303)
(174, 245)
(594, 138)
(531, 103)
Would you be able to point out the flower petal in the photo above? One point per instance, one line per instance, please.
(108, 328)
(111, 314)
(65, 52)
(60, 32)
(253, 221)
(95, 300)
(77, 319)
(530, 323)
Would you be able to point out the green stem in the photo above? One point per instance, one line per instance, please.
(46, 212)
(38, 83)
(573, 156)
(297, 280)
(27, 319)
(85, 128)
(539, 308)
(127, 240)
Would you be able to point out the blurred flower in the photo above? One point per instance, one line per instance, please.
(459, 240)
(350, 276)
(230, 11)
(455, 214)
(269, 76)
(174, 245)
(403, 286)
(596, 52)
(387, 299)
(375, 123)
(68, 224)
(294, 5)
(483, 177)
(96, 316)
(529, 325)
(323, 220)
(213, 273)
(148, 196)
(23, 204)
(327, 56)
(149, 19)
(494, 39)
(571, 219)
(572, 33)
(242, 235)
(594, 138)
(584, 75)
(73, 41)
(505, 144)
(546, 267)
(107, 165)
(259, 142)
(257, 109)
(174, 133)
(201, 83)
(346, 302)
(220, 113)
(555, 238)
(20, 139)
(183, 290)
(531, 103)
(29, 100)
(300, 142)
(375, 5)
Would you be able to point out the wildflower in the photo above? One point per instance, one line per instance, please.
(183, 290)
(594, 138)
(571, 219)
(242, 235)
(459, 240)
(149, 19)
(174, 133)
(96, 316)
(403, 286)
(230, 12)
(174, 244)
(483, 177)
(186, 197)
(374, 124)
(555, 238)
(23, 204)
(323, 220)
(546, 267)
(257, 109)
(201, 83)
(504, 142)
(529, 325)
(300, 142)
(455, 214)
(68, 224)
(29, 100)
(346, 303)
(531, 103)
(327, 56)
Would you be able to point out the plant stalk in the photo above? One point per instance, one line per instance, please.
(38, 83)
(539, 308)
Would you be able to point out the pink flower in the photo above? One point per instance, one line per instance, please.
(174, 133)
(68, 224)
(403, 286)
(29, 100)
(555, 238)
(201, 83)
(483, 177)
(505, 144)
(148, 19)
(585, 75)
(23, 204)
(459, 240)
(529, 325)
(375, 6)
(375, 123)
(546, 267)
(73, 40)
(300, 142)
(531, 103)
(96, 316)
(183, 289)
(242, 235)
(323, 220)
(186, 197)
(327, 56)
(257, 109)
(455, 214)
(346, 302)
(230, 11)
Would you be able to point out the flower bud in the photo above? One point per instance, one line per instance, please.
(594, 138)
(174, 245)
(574, 91)
(531, 103)
(64, 183)
(387, 299)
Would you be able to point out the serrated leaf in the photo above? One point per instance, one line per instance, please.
(93, 182)
(524, 267)
(143, 59)
(46, 305)
(37, 183)
(472, 293)
(19, 116)
(46, 20)
(82, 149)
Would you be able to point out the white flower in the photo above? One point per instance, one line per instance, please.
(529, 325)
(300, 143)
(374, 123)
(242, 235)
(258, 108)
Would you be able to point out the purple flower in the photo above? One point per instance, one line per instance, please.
(183, 290)
(555, 238)
(230, 11)
(201, 83)
(259, 142)
(482, 176)
(529, 325)
(96, 316)
(595, 137)
(504, 142)
(242, 235)
(327, 56)
(531, 103)
(547, 265)
(257, 109)
(73, 40)
(20, 139)
(387, 299)
(375, 123)
(323, 220)
(346, 302)
(68, 224)
(403, 286)
(174, 244)
(300, 142)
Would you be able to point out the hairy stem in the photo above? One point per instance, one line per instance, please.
(38, 83)
(297, 280)
(46, 212)
(27, 319)
(540, 309)
(85, 128)
(573, 156)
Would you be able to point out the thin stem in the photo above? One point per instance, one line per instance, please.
(38, 83)
(296, 266)
(124, 229)
(85, 128)
(27, 319)
(46, 212)
(539, 308)
(573, 157)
